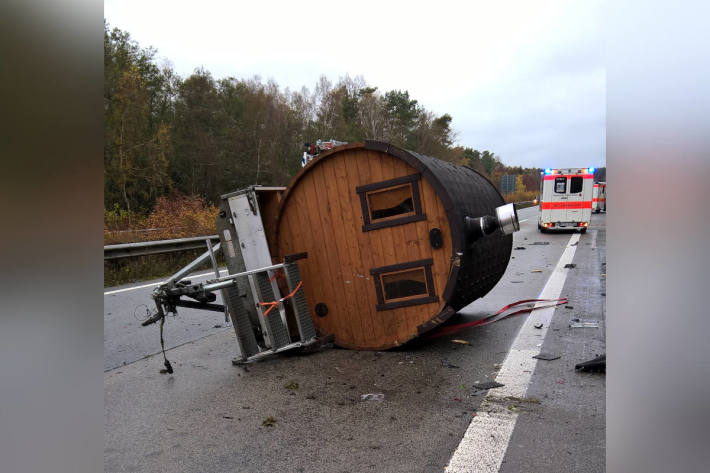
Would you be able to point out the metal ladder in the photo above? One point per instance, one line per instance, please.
(274, 324)
(254, 341)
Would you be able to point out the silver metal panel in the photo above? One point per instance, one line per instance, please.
(250, 230)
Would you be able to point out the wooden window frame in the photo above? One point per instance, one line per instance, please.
(384, 304)
(416, 215)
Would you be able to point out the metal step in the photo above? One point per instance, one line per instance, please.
(275, 326)
(300, 308)
(246, 340)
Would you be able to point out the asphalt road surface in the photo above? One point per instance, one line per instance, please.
(208, 416)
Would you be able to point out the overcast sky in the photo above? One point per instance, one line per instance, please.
(524, 79)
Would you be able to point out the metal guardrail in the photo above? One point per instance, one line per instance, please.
(142, 248)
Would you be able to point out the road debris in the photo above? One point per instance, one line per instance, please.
(372, 397)
(583, 323)
(519, 248)
(536, 271)
(546, 356)
(570, 265)
(516, 282)
(569, 307)
(538, 326)
(460, 342)
(597, 364)
(447, 364)
(539, 243)
(218, 326)
(269, 422)
(228, 417)
(292, 386)
(487, 385)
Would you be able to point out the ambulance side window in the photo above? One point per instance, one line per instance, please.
(575, 185)
(560, 185)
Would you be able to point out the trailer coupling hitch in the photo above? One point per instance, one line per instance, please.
(505, 219)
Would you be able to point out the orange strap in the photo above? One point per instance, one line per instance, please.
(275, 304)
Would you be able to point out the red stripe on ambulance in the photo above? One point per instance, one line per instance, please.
(566, 205)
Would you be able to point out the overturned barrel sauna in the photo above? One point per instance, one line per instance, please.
(397, 242)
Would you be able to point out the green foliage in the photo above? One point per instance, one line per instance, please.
(204, 137)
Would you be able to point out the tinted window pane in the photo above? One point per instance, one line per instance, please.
(391, 202)
(404, 284)
(560, 185)
(575, 185)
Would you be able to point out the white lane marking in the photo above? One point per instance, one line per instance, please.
(594, 239)
(486, 440)
(116, 291)
(521, 221)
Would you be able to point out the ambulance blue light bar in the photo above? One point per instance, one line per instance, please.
(591, 170)
(548, 171)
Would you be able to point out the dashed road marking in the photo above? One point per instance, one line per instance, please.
(486, 440)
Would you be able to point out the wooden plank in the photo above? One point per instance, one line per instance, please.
(293, 237)
(383, 239)
(336, 249)
(349, 178)
(348, 256)
(371, 241)
(415, 251)
(324, 272)
(397, 240)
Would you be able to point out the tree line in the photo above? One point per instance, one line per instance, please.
(199, 135)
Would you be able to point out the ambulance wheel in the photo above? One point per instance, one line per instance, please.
(584, 230)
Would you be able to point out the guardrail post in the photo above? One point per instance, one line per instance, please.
(216, 273)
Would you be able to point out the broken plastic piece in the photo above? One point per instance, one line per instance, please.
(584, 323)
(487, 385)
(546, 356)
(372, 397)
(597, 364)
(537, 325)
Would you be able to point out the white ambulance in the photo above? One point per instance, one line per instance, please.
(566, 199)
(599, 197)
